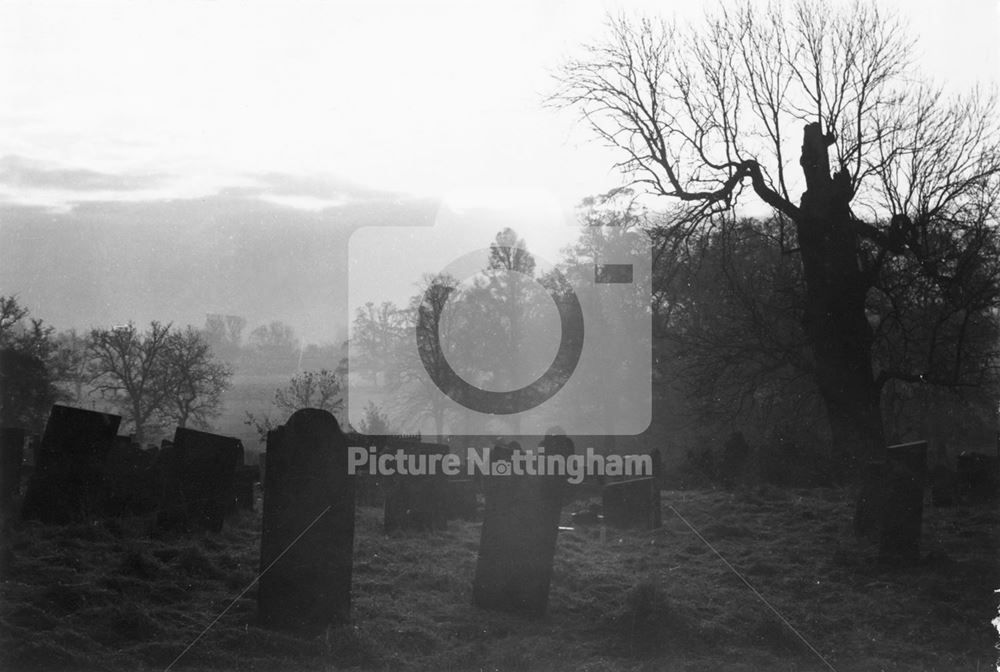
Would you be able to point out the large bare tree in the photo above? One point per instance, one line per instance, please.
(157, 375)
(815, 112)
(198, 380)
(130, 368)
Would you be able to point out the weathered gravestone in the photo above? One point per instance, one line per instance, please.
(632, 503)
(903, 503)
(307, 542)
(199, 475)
(518, 538)
(11, 457)
(66, 484)
(416, 502)
(131, 482)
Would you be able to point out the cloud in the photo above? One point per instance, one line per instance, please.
(21, 172)
(60, 188)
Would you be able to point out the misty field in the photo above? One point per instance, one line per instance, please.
(109, 596)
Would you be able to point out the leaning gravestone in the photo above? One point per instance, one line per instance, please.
(632, 503)
(307, 542)
(199, 475)
(903, 504)
(518, 538)
(416, 502)
(65, 485)
(11, 457)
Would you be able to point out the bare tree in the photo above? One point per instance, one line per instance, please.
(132, 370)
(273, 348)
(225, 334)
(197, 379)
(310, 389)
(886, 170)
(11, 314)
(27, 374)
(377, 333)
(71, 362)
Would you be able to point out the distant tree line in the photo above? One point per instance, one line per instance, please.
(156, 377)
(269, 349)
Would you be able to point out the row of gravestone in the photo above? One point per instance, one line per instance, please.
(82, 469)
(428, 502)
(891, 500)
(974, 481)
(308, 526)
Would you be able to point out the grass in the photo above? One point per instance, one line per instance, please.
(114, 596)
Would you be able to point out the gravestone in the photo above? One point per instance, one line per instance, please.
(518, 538)
(632, 503)
(307, 541)
(657, 466)
(66, 484)
(461, 501)
(903, 503)
(11, 457)
(416, 502)
(199, 477)
(871, 497)
(978, 481)
(369, 489)
(131, 482)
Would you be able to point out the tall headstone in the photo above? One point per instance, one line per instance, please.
(632, 503)
(199, 478)
(66, 483)
(903, 504)
(307, 542)
(518, 537)
(416, 502)
(11, 457)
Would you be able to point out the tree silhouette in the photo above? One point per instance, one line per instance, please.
(815, 100)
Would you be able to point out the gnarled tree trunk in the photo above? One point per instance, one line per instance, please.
(835, 318)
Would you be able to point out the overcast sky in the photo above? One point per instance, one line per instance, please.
(426, 96)
(305, 105)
